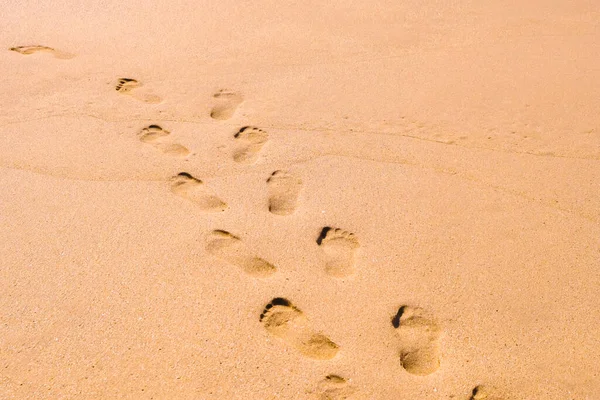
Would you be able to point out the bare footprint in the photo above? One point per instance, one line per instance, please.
(482, 392)
(334, 387)
(250, 140)
(227, 103)
(27, 50)
(284, 189)
(157, 137)
(339, 247)
(230, 248)
(188, 187)
(128, 86)
(285, 321)
(419, 340)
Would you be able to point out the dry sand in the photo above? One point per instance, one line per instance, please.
(300, 200)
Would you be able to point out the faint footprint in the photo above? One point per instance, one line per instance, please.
(156, 136)
(34, 49)
(284, 189)
(287, 322)
(227, 103)
(250, 140)
(230, 248)
(188, 187)
(419, 340)
(128, 86)
(339, 247)
(334, 387)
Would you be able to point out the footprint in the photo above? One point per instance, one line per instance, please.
(127, 86)
(285, 321)
(419, 340)
(482, 392)
(156, 136)
(339, 247)
(230, 248)
(27, 50)
(188, 187)
(334, 387)
(284, 189)
(227, 103)
(479, 393)
(153, 134)
(250, 140)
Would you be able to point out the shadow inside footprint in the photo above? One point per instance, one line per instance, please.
(284, 320)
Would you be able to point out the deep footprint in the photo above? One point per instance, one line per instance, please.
(339, 247)
(227, 103)
(128, 85)
(27, 50)
(334, 387)
(193, 189)
(250, 140)
(285, 321)
(284, 189)
(419, 340)
(157, 137)
(230, 248)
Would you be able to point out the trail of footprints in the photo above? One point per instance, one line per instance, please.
(417, 332)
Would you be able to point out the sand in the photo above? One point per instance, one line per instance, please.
(300, 200)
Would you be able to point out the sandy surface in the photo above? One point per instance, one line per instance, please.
(300, 200)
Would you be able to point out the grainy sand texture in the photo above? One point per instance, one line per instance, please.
(347, 199)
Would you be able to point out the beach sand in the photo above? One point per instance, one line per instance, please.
(300, 200)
